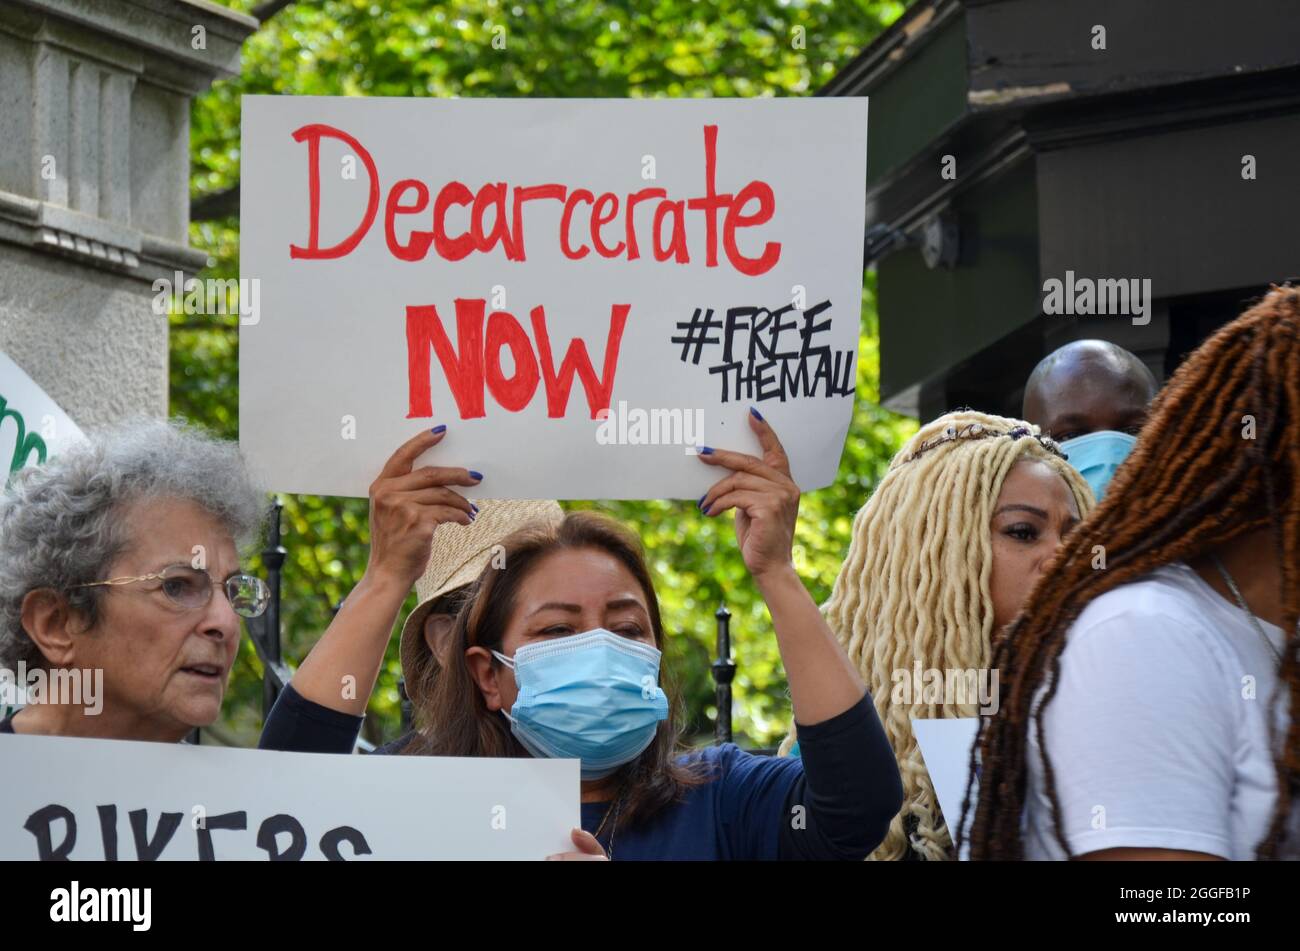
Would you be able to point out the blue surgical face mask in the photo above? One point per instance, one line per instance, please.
(593, 696)
(1097, 455)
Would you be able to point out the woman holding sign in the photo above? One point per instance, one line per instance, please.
(559, 655)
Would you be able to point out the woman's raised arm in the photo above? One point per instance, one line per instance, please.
(406, 505)
(823, 682)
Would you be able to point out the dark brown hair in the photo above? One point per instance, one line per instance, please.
(456, 720)
(1192, 483)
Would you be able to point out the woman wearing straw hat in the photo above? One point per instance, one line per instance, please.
(557, 654)
(460, 553)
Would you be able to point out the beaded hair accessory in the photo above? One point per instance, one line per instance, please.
(980, 431)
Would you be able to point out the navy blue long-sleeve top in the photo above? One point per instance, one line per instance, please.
(835, 801)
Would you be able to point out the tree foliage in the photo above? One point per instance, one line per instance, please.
(645, 48)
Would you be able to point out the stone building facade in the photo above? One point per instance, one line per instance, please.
(94, 187)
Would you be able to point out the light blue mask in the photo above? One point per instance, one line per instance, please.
(593, 696)
(1097, 455)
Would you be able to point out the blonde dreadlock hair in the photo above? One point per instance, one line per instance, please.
(915, 586)
(1191, 483)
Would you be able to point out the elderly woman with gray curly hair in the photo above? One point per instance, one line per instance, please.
(120, 583)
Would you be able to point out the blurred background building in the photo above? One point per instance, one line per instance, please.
(1108, 138)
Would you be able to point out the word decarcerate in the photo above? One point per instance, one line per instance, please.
(496, 216)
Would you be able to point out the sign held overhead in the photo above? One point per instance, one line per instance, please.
(525, 271)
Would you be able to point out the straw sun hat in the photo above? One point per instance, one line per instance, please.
(460, 553)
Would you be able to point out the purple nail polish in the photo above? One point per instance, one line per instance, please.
(477, 476)
(700, 504)
(756, 414)
(706, 451)
(440, 428)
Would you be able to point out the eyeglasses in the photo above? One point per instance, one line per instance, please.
(191, 588)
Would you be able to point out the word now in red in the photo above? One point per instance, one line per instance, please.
(475, 362)
(507, 229)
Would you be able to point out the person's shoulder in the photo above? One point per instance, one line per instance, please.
(728, 761)
(1156, 631)
(719, 753)
(1164, 603)
(707, 757)
(1161, 591)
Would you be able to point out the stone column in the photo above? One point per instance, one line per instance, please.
(94, 187)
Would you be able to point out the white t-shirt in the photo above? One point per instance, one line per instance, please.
(1154, 738)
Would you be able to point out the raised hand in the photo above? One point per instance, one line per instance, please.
(407, 504)
(823, 681)
(764, 496)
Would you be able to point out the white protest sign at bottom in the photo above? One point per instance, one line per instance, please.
(945, 747)
(113, 799)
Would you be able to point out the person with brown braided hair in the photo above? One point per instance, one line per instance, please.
(1151, 689)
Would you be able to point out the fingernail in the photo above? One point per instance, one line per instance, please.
(700, 504)
(756, 414)
(476, 476)
(706, 509)
(706, 451)
(440, 428)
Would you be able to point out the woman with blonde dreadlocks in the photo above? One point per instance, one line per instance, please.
(943, 555)
(1146, 686)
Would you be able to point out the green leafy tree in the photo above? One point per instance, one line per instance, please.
(647, 48)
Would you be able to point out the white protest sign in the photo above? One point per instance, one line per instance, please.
(583, 291)
(113, 799)
(32, 423)
(945, 747)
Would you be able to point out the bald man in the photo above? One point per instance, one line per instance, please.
(1091, 396)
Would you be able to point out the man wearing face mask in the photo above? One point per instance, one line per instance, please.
(1091, 396)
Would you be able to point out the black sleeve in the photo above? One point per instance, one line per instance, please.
(850, 790)
(297, 725)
